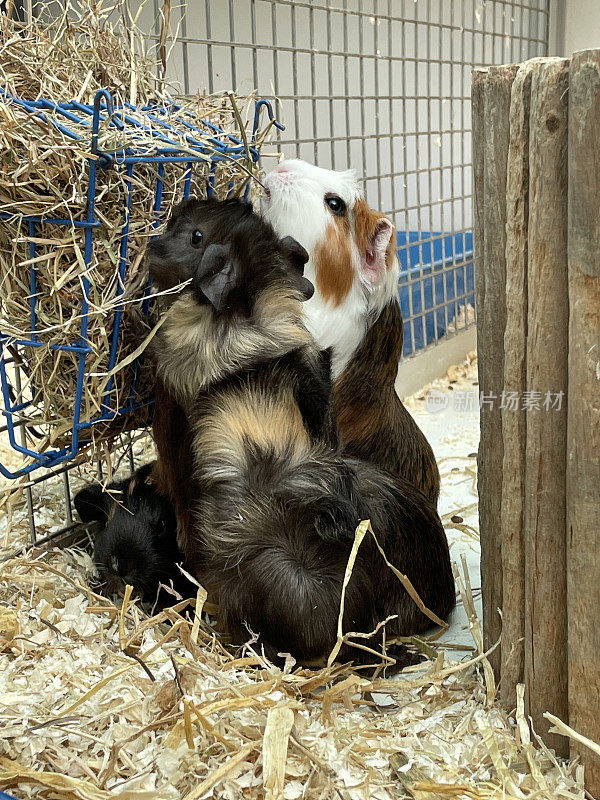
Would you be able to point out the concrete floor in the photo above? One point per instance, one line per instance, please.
(448, 413)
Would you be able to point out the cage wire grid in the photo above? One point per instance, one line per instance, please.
(380, 86)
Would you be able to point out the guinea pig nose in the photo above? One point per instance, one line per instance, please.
(283, 167)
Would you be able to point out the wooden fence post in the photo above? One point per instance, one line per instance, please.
(537, 234)
(491, 320)
(583, 462)
(547, 347)
(514, 431)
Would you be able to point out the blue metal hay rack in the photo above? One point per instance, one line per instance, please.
(81, 122)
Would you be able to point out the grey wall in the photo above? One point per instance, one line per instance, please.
(382, 86)
(574, 25)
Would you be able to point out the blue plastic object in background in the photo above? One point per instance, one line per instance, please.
(436, 279)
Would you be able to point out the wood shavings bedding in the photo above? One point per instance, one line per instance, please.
(99, 702)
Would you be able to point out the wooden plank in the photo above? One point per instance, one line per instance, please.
(545, 478)
(584, 220)
(583, 442)
(478, 156)
(477, 141)
(514, 429)
(491, 316)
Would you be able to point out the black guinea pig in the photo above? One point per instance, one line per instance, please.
(137, 542)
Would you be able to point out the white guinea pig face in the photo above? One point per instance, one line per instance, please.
(324, 210)
(296, 195)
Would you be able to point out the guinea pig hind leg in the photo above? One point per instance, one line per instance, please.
(338, 512)
(335, 518)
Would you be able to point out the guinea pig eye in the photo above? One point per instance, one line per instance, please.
(197, 237)
(336, 204)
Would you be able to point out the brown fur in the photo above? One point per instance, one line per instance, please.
(172, 470)
(375, 424)
(391, 254)
(269, 421)
(276, 516)
(365, 225)
(331, 259)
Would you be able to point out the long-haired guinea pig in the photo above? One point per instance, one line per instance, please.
(275, 505)
(137, 542)
(194, 227)
(355, 311)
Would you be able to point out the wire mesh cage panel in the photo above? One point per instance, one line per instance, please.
(381, 86)
(164, 148)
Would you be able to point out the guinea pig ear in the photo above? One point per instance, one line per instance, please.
(296, 252)
(306, 288)
(373, 237)
(93, 503)
(217, 276)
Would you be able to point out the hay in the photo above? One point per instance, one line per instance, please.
(98, 702)
(44, 173)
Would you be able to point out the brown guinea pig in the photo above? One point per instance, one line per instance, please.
(355, 311)
(274, 505)
(173, 258)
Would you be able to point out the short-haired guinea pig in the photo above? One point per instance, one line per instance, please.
(355, 311)
(137, 542)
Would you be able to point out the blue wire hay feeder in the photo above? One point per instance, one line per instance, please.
(205, 148)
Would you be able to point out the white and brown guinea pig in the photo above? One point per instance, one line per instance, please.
(355, 311)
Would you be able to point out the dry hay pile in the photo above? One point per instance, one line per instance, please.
(98, 701)
(43, 172)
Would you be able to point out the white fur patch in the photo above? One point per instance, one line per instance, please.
(295, 206)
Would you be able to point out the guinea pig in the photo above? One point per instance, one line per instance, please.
(193, 227)
(274, 504)
(355, 311)
(137, 542)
